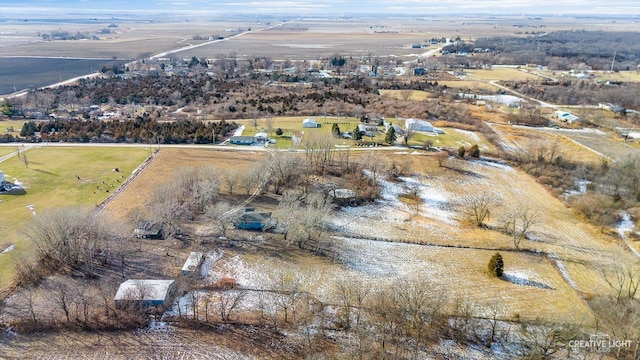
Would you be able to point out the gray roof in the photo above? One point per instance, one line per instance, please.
(145, 227)
(241, 138)
(254, 216)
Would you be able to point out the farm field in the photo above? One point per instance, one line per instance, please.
(25, 72)
(468, 84)
(500, 74)
(54, 179)
(415, 237)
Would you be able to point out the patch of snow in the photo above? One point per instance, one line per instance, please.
(9, 248)
(209, 259)
(239, 131)
(581, 188)
(563, 271)
(625, 226)
(501, 99)
(494, 164)
(32, 209)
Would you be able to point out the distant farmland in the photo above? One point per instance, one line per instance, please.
(22, 73)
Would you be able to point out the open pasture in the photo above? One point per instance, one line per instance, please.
(170, 161)
(58, 177)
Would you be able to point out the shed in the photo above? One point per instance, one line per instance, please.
(146, 229)
(565, 116)
(253, 220)
(242, 140)
(310, 123)
(193, 263)
(144, 293)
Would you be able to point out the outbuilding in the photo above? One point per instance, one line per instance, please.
(144, 293)
(310, 123)
(193, 263)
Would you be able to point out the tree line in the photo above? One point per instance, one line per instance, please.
(142, 129)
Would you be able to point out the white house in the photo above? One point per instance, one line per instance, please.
(310, 123)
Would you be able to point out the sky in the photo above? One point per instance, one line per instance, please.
(337, 7)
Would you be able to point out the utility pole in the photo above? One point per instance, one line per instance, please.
(614, 60)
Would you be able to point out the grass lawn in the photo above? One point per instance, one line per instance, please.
(452, 138)
(15, 124)
(4, 150)
(52, 181)
(289, 125)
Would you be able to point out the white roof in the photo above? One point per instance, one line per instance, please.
(153, 289)
(261, 135)
(192, 262)
(412, 123)
(308, 120)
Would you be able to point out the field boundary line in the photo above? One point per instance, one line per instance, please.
(101, 206)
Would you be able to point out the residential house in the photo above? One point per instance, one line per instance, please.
(242, 140)
(253, 220)
(144, 293)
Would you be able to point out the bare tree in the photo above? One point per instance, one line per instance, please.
(351, 293)
(622, 274)
(288, 287)
(406, 94)
(477, 207)
(223, 215)
(228, 301)
(517, 223)
(231, 178)
(268, 123)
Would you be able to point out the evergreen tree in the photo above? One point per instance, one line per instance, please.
(279, 132)
(335, 130)
(496, 265)
(461, 151)
(357, 135)
(474, 151)
(391, 136)
(8, 109)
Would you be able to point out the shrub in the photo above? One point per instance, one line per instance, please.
(496, 265)
(279, 131)
(474, 151)
(461, 151)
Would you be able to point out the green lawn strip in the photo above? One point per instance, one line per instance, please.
(58, 177)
